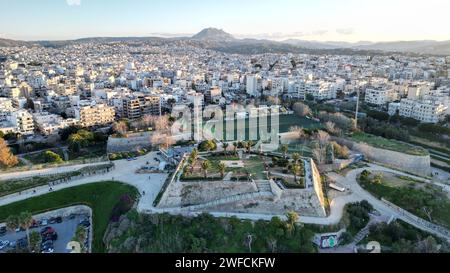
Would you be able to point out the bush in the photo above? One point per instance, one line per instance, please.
(51, 157)
(123, 206)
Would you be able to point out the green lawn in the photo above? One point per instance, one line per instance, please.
(389, 144)
(101, 197)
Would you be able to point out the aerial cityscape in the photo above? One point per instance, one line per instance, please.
(153, 134)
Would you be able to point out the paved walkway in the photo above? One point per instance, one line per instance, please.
(124, 172)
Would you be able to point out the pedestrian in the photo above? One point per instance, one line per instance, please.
(143, 193)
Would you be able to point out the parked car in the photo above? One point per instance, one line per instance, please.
(50, 236)
(22, 243)
(52, 221)
(4, 244)
(59, 219)
(47, 230)
(19, 229)
(2, 231)
(43, 222)
(12, 244)
(34, 224)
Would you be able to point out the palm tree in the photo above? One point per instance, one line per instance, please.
(225, 147)
(296, 171)
(35, 241)
(291, 220)
(205, 167)
(284, 150)
(25, 221)
(222, 169)
(296, 157)
(193, 159)
(249, 145)
(12, 222)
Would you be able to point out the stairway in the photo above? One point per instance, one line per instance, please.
(263, 186)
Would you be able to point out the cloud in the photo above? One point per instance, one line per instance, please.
(73, 2)
(345, 31)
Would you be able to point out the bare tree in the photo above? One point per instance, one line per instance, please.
(302, 109)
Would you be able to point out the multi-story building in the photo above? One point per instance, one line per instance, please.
(252, 85)
(138, 106)
(93, 115)
(22, 121)
(427, 111)
(49, 124)
(6, 108)
(380, 95)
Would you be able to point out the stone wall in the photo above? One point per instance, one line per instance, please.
(194, 193)
(419, 165)
(131, 143)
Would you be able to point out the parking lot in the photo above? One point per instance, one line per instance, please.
(65, 231)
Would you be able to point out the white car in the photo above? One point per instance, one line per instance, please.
(4, 244)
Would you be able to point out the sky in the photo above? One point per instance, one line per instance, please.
(321, 20)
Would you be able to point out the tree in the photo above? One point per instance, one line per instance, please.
(12, 222)
(296, 169)
(25, 221)
(301, 109)
(35, 242)
(80, 236)
(225, 147)
(298, 130)
(222, 169)
(429, 245)
(284, 150)
(249, 145)
(291, 220)
(296, 157)
(51, 157)
(206, 165)
(120, 127)
(7, 159)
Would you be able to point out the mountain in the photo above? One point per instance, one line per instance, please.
(422, 47)
(13, 43)
(213, 34)
(217, 39)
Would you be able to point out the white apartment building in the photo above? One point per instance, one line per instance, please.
(426, 111)
(100, 114)
(22, 121)
(320, 90)
(49, 124)
(6, 108)
(380, 95)
(252, 85)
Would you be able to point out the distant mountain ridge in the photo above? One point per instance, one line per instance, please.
(218, 39)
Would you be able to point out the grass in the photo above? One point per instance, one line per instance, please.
(389, 144)
(413, 197)
(285, 123)
(100, 197)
